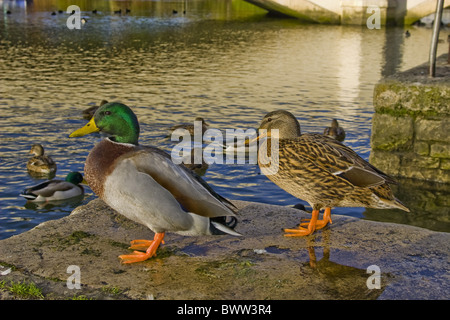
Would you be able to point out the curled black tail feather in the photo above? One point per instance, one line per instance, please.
(220, 225)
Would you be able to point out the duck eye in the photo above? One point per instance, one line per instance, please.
(107, 113)
(269, 119)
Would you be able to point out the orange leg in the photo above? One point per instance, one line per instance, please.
(141, 245)
(304, 231)
(321, 223)
(137, 256)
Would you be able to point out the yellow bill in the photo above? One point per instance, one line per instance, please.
(90, 127)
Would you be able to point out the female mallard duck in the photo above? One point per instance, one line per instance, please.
(197, 168)
(54, 190)
(321, 171)
(40, 163)
(143, 184)
(89, 112)
(335, 131)
(191, 127)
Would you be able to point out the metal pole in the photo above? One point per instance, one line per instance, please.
(448, 56)
(435, 37)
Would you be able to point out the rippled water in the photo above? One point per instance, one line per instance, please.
(222, 60)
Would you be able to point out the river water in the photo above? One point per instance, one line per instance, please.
(223, 60)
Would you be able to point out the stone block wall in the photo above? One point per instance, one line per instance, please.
(411, 124)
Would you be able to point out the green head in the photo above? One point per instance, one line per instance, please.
(115, 119)
(74, 177)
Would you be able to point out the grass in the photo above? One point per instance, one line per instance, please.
(112, 290)
(236, 267)
(80, 297)
(22, 289)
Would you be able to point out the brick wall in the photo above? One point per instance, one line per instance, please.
(411, 124)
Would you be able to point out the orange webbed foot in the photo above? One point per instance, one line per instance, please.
(136, 256)
(150, 247)
(301, 231)
(320, 223)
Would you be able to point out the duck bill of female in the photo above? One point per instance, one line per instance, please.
(90, 127)
(262, 133)
(268, 151)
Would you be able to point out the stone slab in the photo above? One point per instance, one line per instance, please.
(262, 264)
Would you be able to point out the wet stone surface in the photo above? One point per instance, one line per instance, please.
(334, 263)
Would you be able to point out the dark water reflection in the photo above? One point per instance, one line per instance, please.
(222, 60)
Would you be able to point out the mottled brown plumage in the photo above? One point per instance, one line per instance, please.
(40, 163)
(335, 131)
(89, 112)
(321, 171)
(190, 127)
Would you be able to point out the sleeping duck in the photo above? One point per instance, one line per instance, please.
(55, 190)
(89, 112)
(143, 184)
(335, 131)
(190, 127)
(40, 163)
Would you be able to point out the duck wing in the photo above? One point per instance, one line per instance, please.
(46, 189)
(41, 161)
(191, 191)
(341, 161)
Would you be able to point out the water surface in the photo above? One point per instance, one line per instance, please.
(223, 60)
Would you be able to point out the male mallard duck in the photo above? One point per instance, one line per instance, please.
(335, 131)
(321, 171)
(40, 163)
(190, 127)
(143, 184)
(53, 190)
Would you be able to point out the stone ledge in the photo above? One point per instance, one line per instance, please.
(410, 125)
(414, 93)
(263, 264)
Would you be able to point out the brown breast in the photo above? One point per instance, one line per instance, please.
(101, 162)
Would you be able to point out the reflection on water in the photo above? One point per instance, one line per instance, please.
(329, 273)
(429, 204)
(222, 60)
(343, 281)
